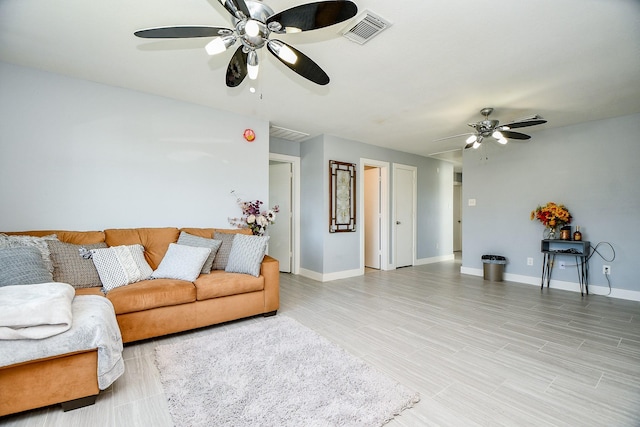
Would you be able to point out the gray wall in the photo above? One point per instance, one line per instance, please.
(282, 146)
(80, 155)
(592, 168)
(325, 252)
(313, 215)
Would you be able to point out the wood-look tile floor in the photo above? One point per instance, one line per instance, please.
(480, 353)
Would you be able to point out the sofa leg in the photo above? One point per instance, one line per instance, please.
(78, 403)
(271, 313)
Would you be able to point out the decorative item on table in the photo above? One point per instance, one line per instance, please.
(253, 218)
(565, 233)
(552, 216)
(577, 235)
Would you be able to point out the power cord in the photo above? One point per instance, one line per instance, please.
(613, 257)
(594, 250)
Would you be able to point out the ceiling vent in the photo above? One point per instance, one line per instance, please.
(366, 26)
(288, 134)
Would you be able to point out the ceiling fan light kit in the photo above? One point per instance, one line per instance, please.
(492, 128)
(254, 22)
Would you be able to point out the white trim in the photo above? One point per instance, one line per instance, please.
(295, 162)
(320, 277)
(560, 284)
(384, 202)
(414, 170)
(432, 260)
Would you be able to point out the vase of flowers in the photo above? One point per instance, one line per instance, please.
(552, 216)
(253, 218)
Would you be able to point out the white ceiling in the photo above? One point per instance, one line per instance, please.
(424, 78)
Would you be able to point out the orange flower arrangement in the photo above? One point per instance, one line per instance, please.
(552, 215)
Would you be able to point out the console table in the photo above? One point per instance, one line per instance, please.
(576, 248)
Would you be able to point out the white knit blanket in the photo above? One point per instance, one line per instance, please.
(35, 311)
(94, 326)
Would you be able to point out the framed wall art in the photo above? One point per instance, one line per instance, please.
(342, 196)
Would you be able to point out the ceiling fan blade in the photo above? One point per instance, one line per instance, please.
(312, 16)
(181, 32)
(514, 135)
(453, 136)
(237, 69)
(525, 123)
(242, 7)
(235, 6)
(298, 62)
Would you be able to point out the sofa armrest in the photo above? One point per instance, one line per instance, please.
(270, 269)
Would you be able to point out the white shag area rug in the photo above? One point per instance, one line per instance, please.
(275, 372)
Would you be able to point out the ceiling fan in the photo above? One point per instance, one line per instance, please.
(492, 128)
(254, 22)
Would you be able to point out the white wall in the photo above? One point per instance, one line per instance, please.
(80, 155)
(592, 168)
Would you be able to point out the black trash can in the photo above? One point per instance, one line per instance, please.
(493, 267)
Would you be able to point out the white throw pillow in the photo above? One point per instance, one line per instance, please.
(246, 254)
(120, 265)
(201, 242)
(182, 262)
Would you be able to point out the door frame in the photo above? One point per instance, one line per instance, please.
(414, 171)
(295, 203)
(384, 208)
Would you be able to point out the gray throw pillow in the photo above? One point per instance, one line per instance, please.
(220, 261)
(201, 242)
(22, 265)
(69, 266)
(40, 243)
(246, 254)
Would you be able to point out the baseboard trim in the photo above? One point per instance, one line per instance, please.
(560, 284)
(432, 260)
(328, 277)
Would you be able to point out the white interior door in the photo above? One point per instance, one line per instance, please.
(280, 193)
(404, 194)
(457, 217)
(372, 217)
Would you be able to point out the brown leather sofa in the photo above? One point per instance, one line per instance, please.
(145, 309)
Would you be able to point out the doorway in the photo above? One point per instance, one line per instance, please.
(372, 220)
(284, 234)
(374, 214)
(457, 216)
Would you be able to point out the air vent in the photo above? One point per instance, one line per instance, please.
(366, 27)
(288, 134)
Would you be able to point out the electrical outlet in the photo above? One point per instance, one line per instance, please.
(606, 269)
(529, 261)
(562, 265)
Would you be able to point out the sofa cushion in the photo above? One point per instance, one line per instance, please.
(246, 254)
(40, 243)
(182, 262)
(209, 232)
(220, 284)
(69, 266)
(149, 294)
(154, 240)
(90, 291)
(22, 266)
(202, 242)
(120, 265)
(80, 237)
